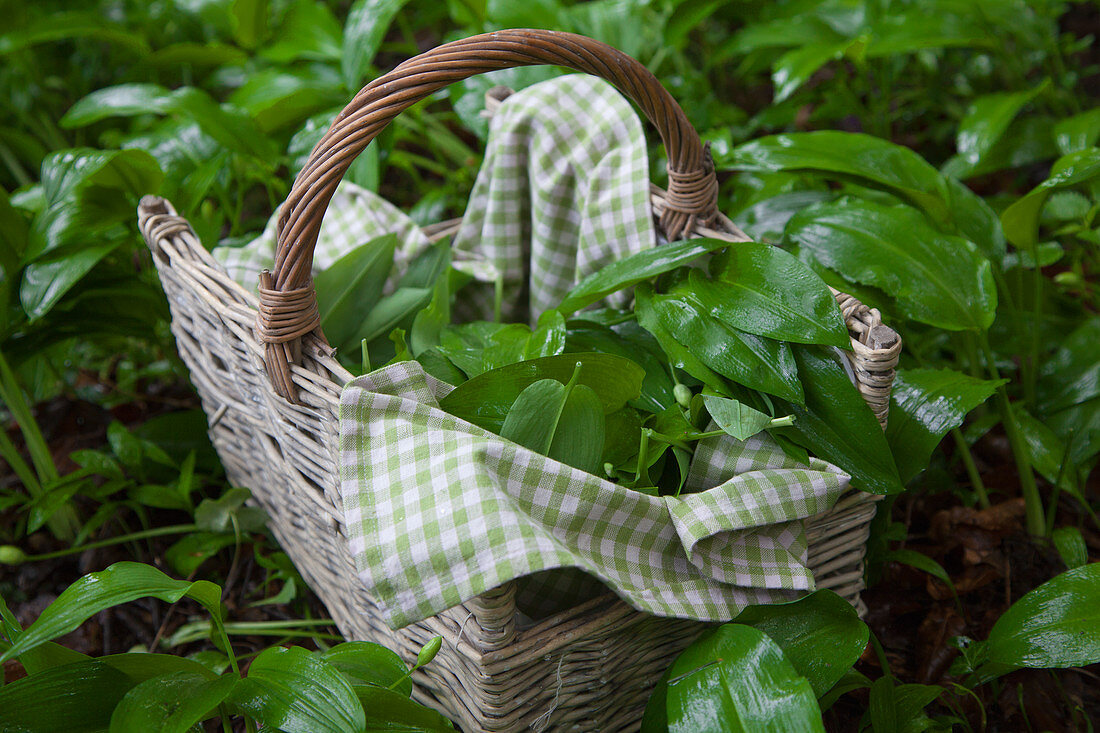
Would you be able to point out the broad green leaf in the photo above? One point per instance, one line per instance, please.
(292, 690)
(766, 291)
(42, 657)
(350, 287)
(533, 417)
(924, 28)
(985, 122)
(637, 345)
(391, 311)
(364, 30)
(634, 269)
(921, 562)
(1072, 375)
(309, 31)
(580, 435)
(193, 549)
(389, 710)
(1021, 220)
(649, 317)
(61, 26)
(1056, 625)
(548, 339)
(196, 55)
(924, 405)
(364, 662)
(120, 583)
(249, 18)
(229, 126)
(1070, 544)
(1079, 132)
(820, 635)
(934, 278)
(737, 679)
(837, 425)
(881, 164)
(900, 708)
(753, 361)
(486, 399)
(276, 98)
(82, 696)
(50, 277)
(737, 419)
(795, 67)
(1050, 455)
(170, 703)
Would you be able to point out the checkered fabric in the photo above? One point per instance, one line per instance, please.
(438, 510)
(354, 216)
(563, 192)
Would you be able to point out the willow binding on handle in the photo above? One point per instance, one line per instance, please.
(589, 668)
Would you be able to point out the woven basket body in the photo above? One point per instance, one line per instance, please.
(589, 668)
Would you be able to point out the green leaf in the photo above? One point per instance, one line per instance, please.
(766, 291)
(486, 399)
(580, 435)
(837, 425)
(737, 679)
(924, 405)
(1021, 220)
(120, 583)
(881, 164)
(189, 552)
(292, 690)
(350, 287)
(986, 121)
(399, 307)
(1070, 544)
(753, 361)
(649, 317)
(170, 703)
(276, 98)
(389, 710)
(364, 30)
(1072, 375)
(634, 269)
(364, 662)
(795, 67)
(60, 26)
(739, 420)
(249, 19)
(82, 696)
(533, 417)
(900, 709)
(632, 342)
(821, 635)
(1049, 454)
(936, 279)
(1057, 625)
(921, 562)
(309, 31)
(229, 126)
(1079, 132)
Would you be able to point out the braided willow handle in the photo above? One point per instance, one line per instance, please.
(288, 304)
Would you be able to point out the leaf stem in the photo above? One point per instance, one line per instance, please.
(144, 534)
(1033, 503)
(971, 468)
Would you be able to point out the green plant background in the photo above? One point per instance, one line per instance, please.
(936, 158)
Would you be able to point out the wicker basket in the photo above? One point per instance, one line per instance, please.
(270, 387)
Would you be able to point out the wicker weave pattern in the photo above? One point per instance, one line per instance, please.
(590, 668)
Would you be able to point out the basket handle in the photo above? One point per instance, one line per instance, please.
(288, 302)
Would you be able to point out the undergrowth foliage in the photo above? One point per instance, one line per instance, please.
(937, 159)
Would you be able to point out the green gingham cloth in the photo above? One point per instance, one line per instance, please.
(438, 510)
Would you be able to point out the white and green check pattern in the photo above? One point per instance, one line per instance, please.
(563, 192)
(354, 216)
(438, 510)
